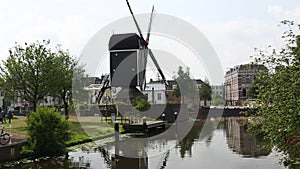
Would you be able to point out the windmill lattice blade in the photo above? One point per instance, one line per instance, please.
(157, 67)
(136, 23)
(150, 25)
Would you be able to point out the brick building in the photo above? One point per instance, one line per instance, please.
(237, 82)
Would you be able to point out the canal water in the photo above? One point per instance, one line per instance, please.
(224, 144)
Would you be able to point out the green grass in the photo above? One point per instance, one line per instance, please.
(19, 125)
(82, 130)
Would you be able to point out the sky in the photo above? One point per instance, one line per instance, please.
(233, 27)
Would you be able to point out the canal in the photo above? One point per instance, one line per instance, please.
(223, 144)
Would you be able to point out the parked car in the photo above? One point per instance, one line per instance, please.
(19, 111)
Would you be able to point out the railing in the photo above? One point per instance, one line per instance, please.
(3, 137)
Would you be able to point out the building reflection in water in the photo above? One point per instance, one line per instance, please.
(143, 151)
(239, 141)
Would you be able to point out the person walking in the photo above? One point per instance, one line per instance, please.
(3, 114)
(9, 116)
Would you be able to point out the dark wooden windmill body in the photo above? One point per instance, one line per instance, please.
(128, 60)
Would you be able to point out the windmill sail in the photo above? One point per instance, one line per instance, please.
(150, 25)
(135, 21)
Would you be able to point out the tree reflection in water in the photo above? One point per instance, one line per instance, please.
(229, 129)
(196, 133)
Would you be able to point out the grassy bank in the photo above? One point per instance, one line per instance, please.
(83, 129)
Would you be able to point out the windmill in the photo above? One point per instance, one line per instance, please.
(128, 59)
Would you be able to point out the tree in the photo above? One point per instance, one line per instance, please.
(24, 73)
(141, 104)
(79, 83)
(48, 133)
(253, 90)
(176, 92)
(60, 77)
(217, 99)
(186, 87)
(278, 97)
(35, 71)
(205, 91)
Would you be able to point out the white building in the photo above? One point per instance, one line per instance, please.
(93, 90)
(156, 92)
(218, 90)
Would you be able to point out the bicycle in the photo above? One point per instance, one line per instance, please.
(4, 137)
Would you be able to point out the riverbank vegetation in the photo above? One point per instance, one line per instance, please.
(96, 128)
(278, 97)
(48, 133)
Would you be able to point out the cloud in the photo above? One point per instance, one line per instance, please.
(281, 13)
(72, 23)
(233, 37)
(235, 40)
(275, 10)
(293, 14)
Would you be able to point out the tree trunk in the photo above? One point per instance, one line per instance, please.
(34, 106)
(66, 105)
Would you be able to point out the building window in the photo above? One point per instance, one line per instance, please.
(244, 79)
(244, 93)
(158, 96)
(174, 86)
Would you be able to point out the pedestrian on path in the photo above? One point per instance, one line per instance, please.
(3, 114)
(9, 116)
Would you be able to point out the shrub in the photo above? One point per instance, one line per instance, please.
(48, 133)
(141, 104)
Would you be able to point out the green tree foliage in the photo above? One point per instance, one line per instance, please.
(34, 71)
(79, 83)
(217, 99)
(279, 99)
(48, 132)
(141, 104)
(186, 87)
(205, 91)
(176, 92)
(24, 72)
(253, 89)
(60, 77)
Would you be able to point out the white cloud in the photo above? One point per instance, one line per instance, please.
(275, 10)
(233, 38)
(293, 14)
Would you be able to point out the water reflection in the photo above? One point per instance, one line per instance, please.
(240, 141)
(225, 146)
(195, 134)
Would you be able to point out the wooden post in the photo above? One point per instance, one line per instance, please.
(145, 123)
(175, 117)
(163, 116)
(117, 130)
(10, 134)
